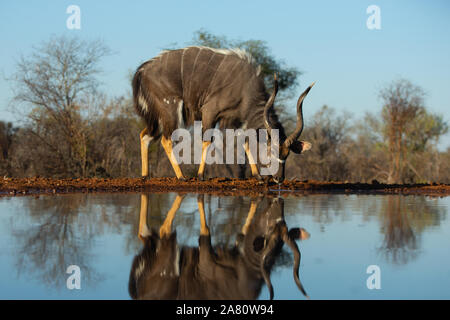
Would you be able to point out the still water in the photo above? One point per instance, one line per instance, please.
(407, 238)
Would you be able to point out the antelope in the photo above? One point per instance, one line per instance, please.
(163, 270)
(217, 87)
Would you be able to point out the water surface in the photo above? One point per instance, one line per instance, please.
(407, 237)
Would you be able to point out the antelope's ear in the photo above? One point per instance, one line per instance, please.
(300, 146)
(258, 243)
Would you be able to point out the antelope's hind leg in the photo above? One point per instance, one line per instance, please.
(143, 228)
(145, 139)
(250, 215)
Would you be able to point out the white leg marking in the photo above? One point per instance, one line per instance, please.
(147, 139)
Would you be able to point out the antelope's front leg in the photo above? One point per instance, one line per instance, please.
(204, 230)
(167, 145)
(250, 215)
(201, 169)
(166, 228)
(252, 162)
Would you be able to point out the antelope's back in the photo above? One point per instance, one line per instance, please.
(198, 74)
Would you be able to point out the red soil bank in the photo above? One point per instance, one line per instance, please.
(24, 186)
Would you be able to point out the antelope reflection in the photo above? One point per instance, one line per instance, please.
(163, 270)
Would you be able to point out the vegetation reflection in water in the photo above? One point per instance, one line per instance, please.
(47, 234)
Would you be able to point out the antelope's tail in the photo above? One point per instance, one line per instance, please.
(141, 98)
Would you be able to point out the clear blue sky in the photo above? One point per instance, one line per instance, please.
(327, 40)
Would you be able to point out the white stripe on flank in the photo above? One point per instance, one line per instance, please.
(214, 76)
(193, 70)
(140, 268)
(180, 114)
(142, 102)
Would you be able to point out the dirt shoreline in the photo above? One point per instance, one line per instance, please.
(37, 186)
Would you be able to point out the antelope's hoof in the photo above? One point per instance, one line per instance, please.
(201, 177)
(258, 177)
(145, 178)
(182, 178)
(264, 179)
